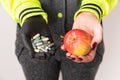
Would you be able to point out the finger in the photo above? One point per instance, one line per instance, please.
(85, 58)
(94, 45)
(68, 55)
(63, 48)
(90, 57)
(27, 43)
(73, 58)
(97, 36)
(78, 60)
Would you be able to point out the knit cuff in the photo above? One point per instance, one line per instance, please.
(93, 8)
(27, 10)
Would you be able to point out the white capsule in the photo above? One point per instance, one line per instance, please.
(37, 41)
(42, 37)
(36, 50)
(45, 39)
(46, 48)
(49, 48)
(42, 49)
(39, 47)
(37, 35)
(52, 44)
(48, 42)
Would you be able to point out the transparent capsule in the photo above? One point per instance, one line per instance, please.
(39, 44)
(33, 45)
(36, 41)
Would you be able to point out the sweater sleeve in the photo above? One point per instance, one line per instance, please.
(20, 10)
(100, 8)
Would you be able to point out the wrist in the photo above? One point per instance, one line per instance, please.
(87, 13)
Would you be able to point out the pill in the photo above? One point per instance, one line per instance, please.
(39, 43)
(33, 45)
(45, 39)
(49, 48)
(42, 37)
(39, 47)
(36, 50)
(37, 35)
(46, 48)
(37, 38)
(52, 44)
(36, 41)
(48, 42)
(42, 48)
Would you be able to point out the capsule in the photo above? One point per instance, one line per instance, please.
(39, 47)
(52, 44)
(33, 45)
(39, 44)
(48, 42)
(49, 48)
(42, 37)
(36, 50)
(46, 48)
(42, 49)
(36, 41)
(37, 35)
(45, 39)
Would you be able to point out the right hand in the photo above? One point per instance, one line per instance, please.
(31, 27)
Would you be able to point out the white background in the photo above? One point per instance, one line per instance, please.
(10, 69)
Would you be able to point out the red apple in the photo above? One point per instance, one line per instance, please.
(77, 42)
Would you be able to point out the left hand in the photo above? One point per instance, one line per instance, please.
(88, 22)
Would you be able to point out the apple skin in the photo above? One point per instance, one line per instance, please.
(77, 42)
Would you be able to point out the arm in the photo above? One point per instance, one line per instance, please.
(20, 10)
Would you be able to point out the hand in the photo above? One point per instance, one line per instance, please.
(88, 22)
(31, 27)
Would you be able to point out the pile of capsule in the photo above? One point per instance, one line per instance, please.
(41, 43)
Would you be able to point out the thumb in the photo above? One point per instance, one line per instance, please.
(63, 47)
(97, 38)
(27, 43)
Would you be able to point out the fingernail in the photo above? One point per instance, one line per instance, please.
(94, 45)
(73, 58)
(80, 59)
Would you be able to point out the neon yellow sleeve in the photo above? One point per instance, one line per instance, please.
(100, 8)
(20, 10)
